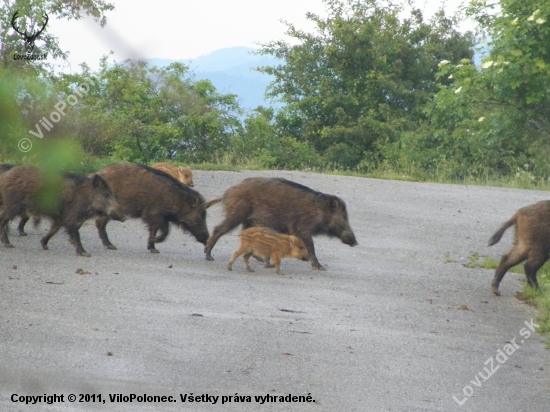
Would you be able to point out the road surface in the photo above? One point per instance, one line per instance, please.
(396, 323)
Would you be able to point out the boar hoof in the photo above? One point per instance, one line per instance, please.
(22, 234)
(318, 267)
(8, 245)
(44, 246)
(153, 250)
(250, 270)
(84, 254)
(271, 265)
(209, 258)
(229, 267)
(495, 291)
(111, 247)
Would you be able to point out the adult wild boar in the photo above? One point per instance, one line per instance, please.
(5, 167)
(286, 207)
(158, 199)
(531, 242)
(71, 201)
(24, 218)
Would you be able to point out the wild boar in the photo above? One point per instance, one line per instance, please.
(531, 243)
(73, 201)
(268, 244)
(158, 199)
(24, 218)
(183, 174)
(5, 167)
(286, 207)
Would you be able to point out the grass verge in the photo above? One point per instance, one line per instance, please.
(539, 298)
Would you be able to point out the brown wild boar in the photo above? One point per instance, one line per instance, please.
(183, 174)
(156, 198)
(74, 200)
(24, 218)
(5, 167)
(286, 207)
(531, 243)
(268, 244)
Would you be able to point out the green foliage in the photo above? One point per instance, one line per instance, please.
(259, 143)
(32, 12)
(138, 113)
(495, 117)
(541, 299)
(361, 78)
(12, 126)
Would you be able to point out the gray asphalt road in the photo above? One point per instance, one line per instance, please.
(394, 324)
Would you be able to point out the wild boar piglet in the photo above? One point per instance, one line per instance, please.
(268, 244)
(183, 174)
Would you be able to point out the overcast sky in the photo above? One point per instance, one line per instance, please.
(184, 29)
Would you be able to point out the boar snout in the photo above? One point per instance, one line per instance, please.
(348, 238)
(118, 215)
(202, 238)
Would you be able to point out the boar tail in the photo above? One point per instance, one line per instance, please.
(496, 237)
(212, 202)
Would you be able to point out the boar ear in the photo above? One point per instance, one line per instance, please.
(212, 202)
(195, 201)
(98, 182)
(334, 204)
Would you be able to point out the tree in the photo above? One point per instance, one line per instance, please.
(139, 113)
(32, 16)
(498, 114)
(362, 77)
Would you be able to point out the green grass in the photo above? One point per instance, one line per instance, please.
(539, 298)
(227, 162)
(475, 260)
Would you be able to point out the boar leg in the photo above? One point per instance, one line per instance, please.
(515, 257)
(246, 259)
(164, 228)
(56, 225)
(22, 223)
(101, 224)
(4, 235)
(533, 264)
(235, 255)
(153, 228)
(276, 263)
(4, 220)
(218, 232)
(75, 235)
(308, 240)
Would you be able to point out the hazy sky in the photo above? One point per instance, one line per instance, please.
(183, 29)
(179, 29)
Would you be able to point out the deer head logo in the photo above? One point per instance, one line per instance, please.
(29, 38)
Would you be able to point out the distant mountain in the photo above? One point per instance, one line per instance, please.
(231, 71)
